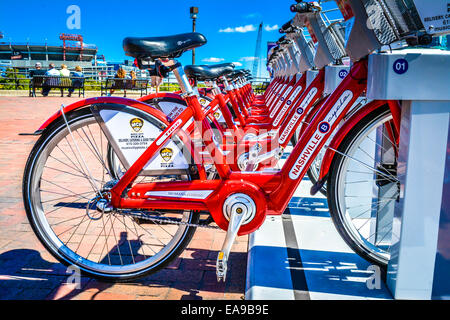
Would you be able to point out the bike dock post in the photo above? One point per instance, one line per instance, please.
(303, 245)
(334, 74)
(310, 75)
(420, 250)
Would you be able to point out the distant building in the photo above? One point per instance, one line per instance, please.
(25, 56)
(72, 53)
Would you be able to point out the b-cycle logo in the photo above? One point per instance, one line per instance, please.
(274, 111)
(322, 129)
(339, 106)
(281, 90)
(291, 125)
(286, 107)
(136, 124)
(274, 93)
(183, 42)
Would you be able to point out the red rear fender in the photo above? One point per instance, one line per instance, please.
(124, 102)
(160, 95)
(114, 100)
(343, 131)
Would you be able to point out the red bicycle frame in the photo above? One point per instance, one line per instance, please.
(271, 191)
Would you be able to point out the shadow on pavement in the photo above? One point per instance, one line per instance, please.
(25, 275)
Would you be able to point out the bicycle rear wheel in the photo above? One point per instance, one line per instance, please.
(58, 190)
(363, 187)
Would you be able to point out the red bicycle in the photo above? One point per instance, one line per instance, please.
(120, 228)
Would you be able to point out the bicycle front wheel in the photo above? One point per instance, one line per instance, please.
(363, 187)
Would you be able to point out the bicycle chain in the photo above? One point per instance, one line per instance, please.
(167, 220)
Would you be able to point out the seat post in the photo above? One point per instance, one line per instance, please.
(215, 87)
(188, 93)
(228, 87)
(183, 81)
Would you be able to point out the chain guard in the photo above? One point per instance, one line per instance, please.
(166, 220)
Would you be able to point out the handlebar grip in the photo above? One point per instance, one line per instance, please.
(285, 27)
(301, 7)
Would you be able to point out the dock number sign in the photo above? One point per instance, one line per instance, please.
(401, 66)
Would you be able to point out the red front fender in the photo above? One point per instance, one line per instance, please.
(340, 135)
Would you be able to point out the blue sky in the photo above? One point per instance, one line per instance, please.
(230, 26)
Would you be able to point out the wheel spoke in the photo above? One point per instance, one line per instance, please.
(358, 196)
(70, 169)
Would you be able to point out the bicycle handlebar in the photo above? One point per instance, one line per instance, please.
(305, 7)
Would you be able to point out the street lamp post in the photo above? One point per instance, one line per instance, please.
(193, 11)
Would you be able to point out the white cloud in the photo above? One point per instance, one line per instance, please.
(87, 45)
(213, 59)
(241, 29)
(247, 59)
(246, 28)
(227, 30)
(267, 27)
(237, 64)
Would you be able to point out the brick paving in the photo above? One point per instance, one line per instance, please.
(28, 271)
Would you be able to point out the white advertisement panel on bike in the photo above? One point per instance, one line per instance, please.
(131, 133)
(435, 15)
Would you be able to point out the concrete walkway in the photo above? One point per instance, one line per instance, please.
(300, 256)
(28, 271)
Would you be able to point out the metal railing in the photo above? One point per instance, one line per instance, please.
(260, 84)
(20, 80)
(125, 84)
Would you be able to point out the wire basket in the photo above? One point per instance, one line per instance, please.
(405, 16)
(306, 49)
(392, 20)
(335, 41)
(378, 23)
(330, 48)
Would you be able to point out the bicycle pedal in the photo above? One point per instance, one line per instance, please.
(221, 267)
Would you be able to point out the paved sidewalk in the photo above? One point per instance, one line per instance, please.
(28, 271)
(313, 261)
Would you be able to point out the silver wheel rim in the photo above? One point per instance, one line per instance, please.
(358, 218)
(138, 261)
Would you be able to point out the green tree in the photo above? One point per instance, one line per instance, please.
(12, 79)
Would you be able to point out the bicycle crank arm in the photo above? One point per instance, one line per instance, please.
(256, 159)
(277, 153)
(264, 136)
(238, 215)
